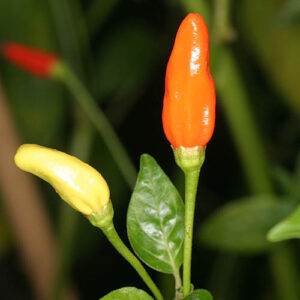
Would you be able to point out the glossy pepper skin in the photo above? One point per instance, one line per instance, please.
(189, 100)
(34, 61)
(77, 183)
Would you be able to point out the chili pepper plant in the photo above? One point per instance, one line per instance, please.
(159, 221)
(105, 74)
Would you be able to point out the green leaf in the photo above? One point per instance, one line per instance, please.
(241, 226)
(127, 293)
(199, 295)
(286, 229)
(155, 219)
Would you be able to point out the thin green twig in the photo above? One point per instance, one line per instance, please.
(191, 184)
(115, 240)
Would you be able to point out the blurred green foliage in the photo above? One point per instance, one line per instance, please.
(241, 225)
(275, 43)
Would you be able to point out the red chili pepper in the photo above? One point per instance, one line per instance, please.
(34, 61)
(189, 101)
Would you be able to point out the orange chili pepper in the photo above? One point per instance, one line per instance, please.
(189, 100)
(34, 61)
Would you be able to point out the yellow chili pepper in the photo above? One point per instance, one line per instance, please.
(77, 183)
(84, 189)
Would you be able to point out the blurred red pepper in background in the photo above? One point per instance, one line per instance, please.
(34, 61)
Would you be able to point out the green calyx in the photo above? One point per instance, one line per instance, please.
(59, 70)
(189, 159)
(103, 218)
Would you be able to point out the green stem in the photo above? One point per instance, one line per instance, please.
(286, 274)
(197, 6)
(99, 120)
(112, 235)
(241, 120)
(177, 277)
(190, 160)
(191, 184)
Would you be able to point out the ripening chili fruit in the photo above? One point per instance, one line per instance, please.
(34, 61)
(189, 101)
(77, 183)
